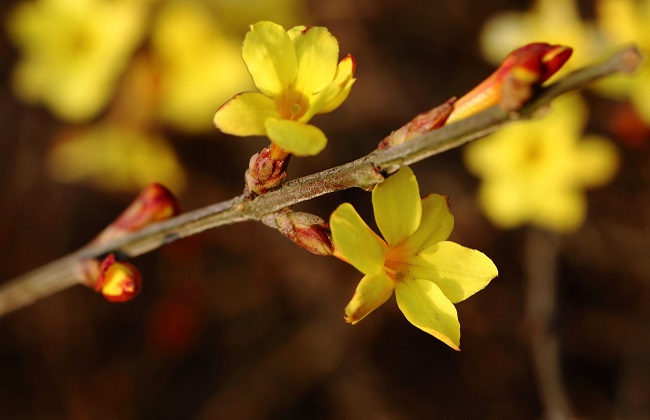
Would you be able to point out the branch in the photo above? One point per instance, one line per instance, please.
(364, 173)
(541, 255)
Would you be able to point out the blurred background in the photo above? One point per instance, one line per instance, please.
(100, 97)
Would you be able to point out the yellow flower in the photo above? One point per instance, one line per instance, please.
(113, 157)
(624, 22)
(297, 74)
(73, 51)
(551, 21)
(428, 273)
(535, 172)
(238, 14)
(200, 65)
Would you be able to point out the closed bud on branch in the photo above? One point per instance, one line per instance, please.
(154, 204)
(264, 172)
(307, 230)
(118, 281)
(521, 74)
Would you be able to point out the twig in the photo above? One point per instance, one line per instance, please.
(364, 173)
(541, 289)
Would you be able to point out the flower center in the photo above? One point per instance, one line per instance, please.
(394, 265)
(533, 153)
(395, 270)
(295, 109)
(292, 105)
(79, 40)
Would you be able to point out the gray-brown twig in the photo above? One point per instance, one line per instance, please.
(364, 173)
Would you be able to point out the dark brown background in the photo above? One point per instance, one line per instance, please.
(240, 323)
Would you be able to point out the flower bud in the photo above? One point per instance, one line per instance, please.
(522, 72)
(264, 172)
(306, 230)
(155, 203)
(118, 281)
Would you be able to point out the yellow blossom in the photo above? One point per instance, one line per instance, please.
(552, 21)
(73, 51)
(624, 22)
(298, 77)
(200, 65)
(115, 158)
(238, 14)
(536, 171)
(428, 273)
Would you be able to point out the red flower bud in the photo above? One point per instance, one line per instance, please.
(306, 230)
(155, 203)
(118, 281)
(265, 172)
(513, 83)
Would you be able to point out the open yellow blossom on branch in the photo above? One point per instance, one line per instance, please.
(298, 77)
(536, 172)
(428, 273)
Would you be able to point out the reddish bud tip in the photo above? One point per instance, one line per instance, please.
(307, 230)
(154, 204)
(541, 59)
(515, 81)
(118, 281)
(554, 59)
(265, 172)
(316, 239)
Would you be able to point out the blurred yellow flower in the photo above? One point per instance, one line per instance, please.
(200, 66)
(623, 22)
(551, 21)
(298, 77)
(73, 51)
(116, 158)
(238, 14)
(536, 171)
(428, 273)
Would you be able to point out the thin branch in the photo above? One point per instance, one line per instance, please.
(541, 303)
(363, 173)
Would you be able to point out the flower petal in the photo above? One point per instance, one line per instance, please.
(371, 293)
(270, 57)
(397, 205)
(295, 137)
(560, 210)
(356, 242)
(341, 86)
(458, 271)
(426, 307)
(436, 225)
(245, 114)
(317, 51)
(596, 161)
(335, 93)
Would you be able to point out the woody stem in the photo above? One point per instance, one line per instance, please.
(364, 173)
